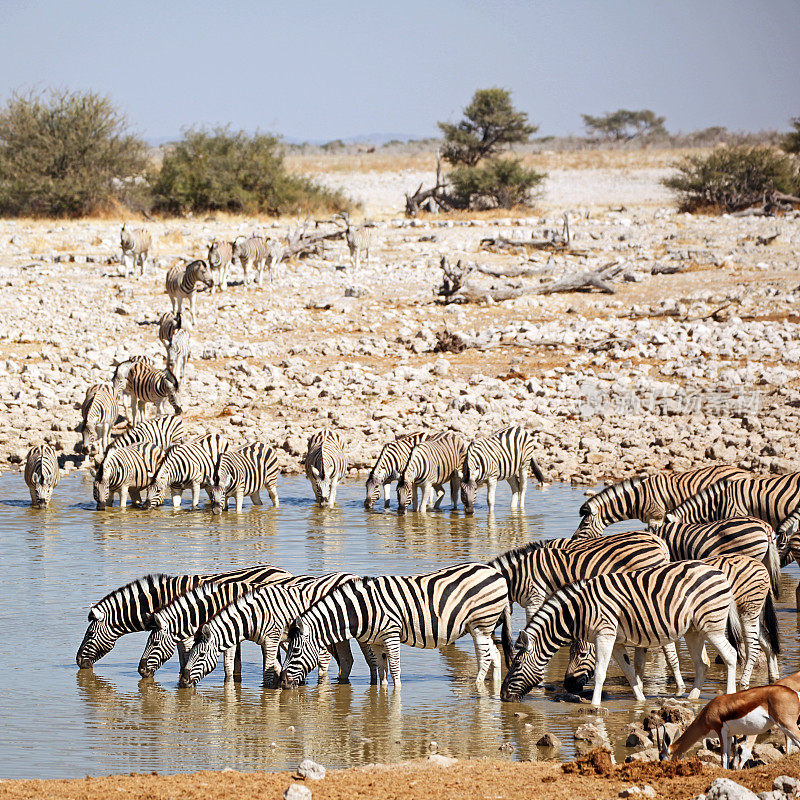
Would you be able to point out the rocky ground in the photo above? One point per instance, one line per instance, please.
(671, 371)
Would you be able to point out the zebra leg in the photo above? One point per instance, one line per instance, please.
(671, 654)
(391, 646)
(183, 652)
(639, 659)
(123, 496)
(379, 654)
(332, 498)
(694, 642)
(491, 491)
(455, 485)
(372, 662)
(772, 659)
(176, 499)
(621, 657)
(427, 488)
(239, 498)
(272, 490)
(233, 662)
(728, 652)
(192, 297)
(726, 747)
(604, 648)
(387, 494)
(344, 657)
(439, 489)
(751, 649)
(415, 507)
(255, 499)
(514, 486)
(486, 654)
(522, 485)
(195, 495)
(323, 662)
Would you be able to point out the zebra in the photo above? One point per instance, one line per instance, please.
(128, 608)
(648, 499)
(503, 456)
(393, 457)
(535, 571)
(275, 253)
(165, 432)
(41, 474)
(431, 463)
(176, 622)
(646, 608)
(749, 583)
(178, 353)
(146, 384)
(99, 412)
(358, 240)
(170, 322)
(125, 470)
(186, 466)
(791, 552)
(429, 610)
(744, 536)
(774, 499)
(263, 615)
(136, 243)
(219, 262)
(122, 371)
(325, 464)
(244, 471)
(182, 283)
(249, 251)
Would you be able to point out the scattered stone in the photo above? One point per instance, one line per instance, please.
(296, 791)
(441, 761)
(311, 770)
(786, 784)
(726, 789)
(638, 791)
(549, 740)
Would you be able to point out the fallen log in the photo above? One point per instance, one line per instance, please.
(585, 281)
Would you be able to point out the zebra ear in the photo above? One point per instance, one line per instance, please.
(205, 632)
(35, 479)
(95, 613)
(524, 641)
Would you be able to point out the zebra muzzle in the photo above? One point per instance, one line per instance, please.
(185, 680)
(144, 670)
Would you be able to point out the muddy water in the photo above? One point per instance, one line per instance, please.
(58, 721)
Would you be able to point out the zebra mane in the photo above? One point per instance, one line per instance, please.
(523, 550)
(595, 502)
(145, 582)
(170, 609)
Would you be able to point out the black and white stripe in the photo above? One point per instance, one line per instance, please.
(250, 252)
(125, 471)
(359, 240)
(430, 610)
(648, 499)
(220, 255)
(175, 623)
(146, 384)
(119, 380)
(263, 616)
(244, 472)
(170, 322)
(325, 464)
(275, 253)
(432, 463)
(128, 609)
(187, 466)
(41, 474)
(135, 244)
(165, 432)
(178, 354)
(99, 412)
(391, 460)
(182, 283)
(503, 456)
(646, 608)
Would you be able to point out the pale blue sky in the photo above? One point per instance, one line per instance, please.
(324, 70)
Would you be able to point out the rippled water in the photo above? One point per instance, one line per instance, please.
(57, 721)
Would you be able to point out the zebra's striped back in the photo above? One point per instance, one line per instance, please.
(99, 412)
(181, 282)
(135, 241)
(165, 432)
(358, 241)
(244, 472)
(220, 255)
(250, 251)
(181, 617)
(146, 384)
(648, 499)
(41, 473)
(131, 466)
(325, 464)
(391, 460)
(737, 535)
(435, 461)
(178, 353)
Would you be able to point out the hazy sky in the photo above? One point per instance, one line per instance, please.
(324, 70)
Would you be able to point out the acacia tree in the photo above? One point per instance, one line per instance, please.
(791, 142)
(65, 154)
(624, 125)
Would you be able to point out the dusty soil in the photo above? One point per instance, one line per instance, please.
(479, 779)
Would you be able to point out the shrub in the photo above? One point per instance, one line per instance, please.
(505, 182)
(66, 154)
(791, 142)
(223, 171)
(733, 178)
(624, 125)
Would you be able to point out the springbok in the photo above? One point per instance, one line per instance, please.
(746, 713)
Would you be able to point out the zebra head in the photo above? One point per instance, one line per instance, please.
(213, 254)
(405, 487)
(159, 648)
(41, 489)
(591, 527)
(374, 485)
(580, 666)
(302, 655)
(526, 669)
(218, 491)
(469, 488)
(98, 640)
(202, 657)
(156, 491)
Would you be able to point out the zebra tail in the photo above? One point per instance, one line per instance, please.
(770, 622)
(733, 629)
(772, 561)
(537, 471)
(507, 639)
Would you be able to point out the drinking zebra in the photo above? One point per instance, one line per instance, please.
(178, 353)
(146, 384)
(182, 283)
(244, 472)
(750, 586)
(187, 466)
(646, 608)
(249, 251)
(125, 471)
(431, 463)
(165, 432)
(503, 456)
(128, 608)
(99, 412)
(41, 474)
(393, 457)
(219, 262)
(326, 465)
(275, 253)
(135, 244)
(430, 610)
(263, 615)
(648, 499)
(175, 623)
(773, 499)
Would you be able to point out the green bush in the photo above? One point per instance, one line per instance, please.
(223, 171)
(506, 182)
(733, 178)
(624, 125)
(66, 154)
(791, 142)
